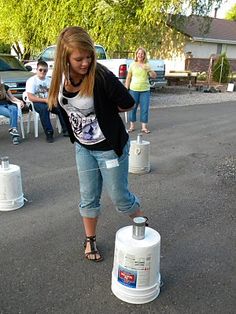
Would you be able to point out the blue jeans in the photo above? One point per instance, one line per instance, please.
(142, 98)
(10, 111)
(96, 168)
(44, 113)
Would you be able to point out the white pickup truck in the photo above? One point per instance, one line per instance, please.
(118, 66)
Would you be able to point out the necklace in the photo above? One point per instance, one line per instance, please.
(75, 84)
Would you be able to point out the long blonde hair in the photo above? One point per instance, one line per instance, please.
(73, 37)
(145, 54)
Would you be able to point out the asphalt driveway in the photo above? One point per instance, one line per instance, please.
(189, 196)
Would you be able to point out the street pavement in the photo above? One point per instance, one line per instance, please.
(190, 199)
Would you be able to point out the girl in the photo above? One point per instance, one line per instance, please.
(90, 99)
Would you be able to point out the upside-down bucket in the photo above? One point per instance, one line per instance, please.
(136, 269)
(139, 156)
(11, 195)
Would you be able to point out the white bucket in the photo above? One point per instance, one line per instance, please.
(11, 196)
(136, 269)
(139, 156)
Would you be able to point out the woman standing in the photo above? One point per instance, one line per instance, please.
(90, 99)
(9, 109)
(137, 82)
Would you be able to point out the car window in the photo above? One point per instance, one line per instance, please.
(10, 63)
(48, 54)
(100, 53)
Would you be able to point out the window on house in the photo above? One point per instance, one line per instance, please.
(219, 49)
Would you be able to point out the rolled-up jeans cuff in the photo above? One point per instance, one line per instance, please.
(132, 209)
(90, 212)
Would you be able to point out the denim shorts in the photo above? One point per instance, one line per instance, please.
(96, 168)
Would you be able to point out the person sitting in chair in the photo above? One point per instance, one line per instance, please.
(37, 88)
(9, 109)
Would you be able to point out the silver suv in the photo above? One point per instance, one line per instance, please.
(13, 74)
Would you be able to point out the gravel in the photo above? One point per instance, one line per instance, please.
(227, 169)
(182, 96)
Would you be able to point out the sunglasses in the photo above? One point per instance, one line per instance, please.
(43, 70)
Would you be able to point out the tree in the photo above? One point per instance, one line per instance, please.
(221, 69)
(5, 48)
(119, 25)
(231, 14)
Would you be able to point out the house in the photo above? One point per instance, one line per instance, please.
(206, 39)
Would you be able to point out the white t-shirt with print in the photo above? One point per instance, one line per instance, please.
(81, 113)
(38, 87)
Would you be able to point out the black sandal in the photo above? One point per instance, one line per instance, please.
(92, 255)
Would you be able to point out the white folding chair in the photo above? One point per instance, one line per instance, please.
(36, 117)
(20, 118)
(35, 114)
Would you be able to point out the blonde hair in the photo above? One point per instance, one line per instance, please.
(71, 38)
(145, 54)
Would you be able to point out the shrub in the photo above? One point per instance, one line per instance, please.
(202, 76)
(221, 69)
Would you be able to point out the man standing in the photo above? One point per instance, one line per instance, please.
(37, 88)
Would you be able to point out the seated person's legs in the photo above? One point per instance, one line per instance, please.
(11, 112)
(44, 114)
(55, 110)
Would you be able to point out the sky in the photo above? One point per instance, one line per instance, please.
(224, 8)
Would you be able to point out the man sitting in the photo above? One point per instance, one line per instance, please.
(37, 88)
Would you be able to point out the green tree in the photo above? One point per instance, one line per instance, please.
(231, 14)
(5, 48)
(119, 25)
(221, 69)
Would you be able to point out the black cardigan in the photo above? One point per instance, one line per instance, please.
(109, 94)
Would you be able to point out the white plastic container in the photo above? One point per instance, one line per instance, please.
(230, 87)
(136, 269)
(11, 195)
(139, 157)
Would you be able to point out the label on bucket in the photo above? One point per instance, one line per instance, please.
(133, 271)
(127, 277)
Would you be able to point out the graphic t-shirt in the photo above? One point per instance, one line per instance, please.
(84, 123)
(38, 87)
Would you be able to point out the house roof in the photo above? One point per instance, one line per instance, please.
(206, 29)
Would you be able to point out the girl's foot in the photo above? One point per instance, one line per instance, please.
(91, 251)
